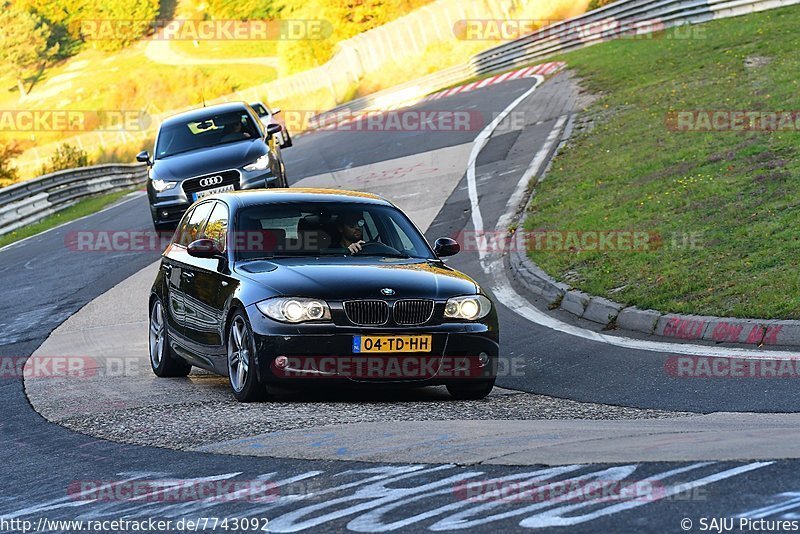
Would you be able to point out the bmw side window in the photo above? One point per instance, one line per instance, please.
(217, 226)
(177, 238)
(194, 225)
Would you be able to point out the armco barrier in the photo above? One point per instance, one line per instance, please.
(611, 21)
(30, 201)
(608, 22)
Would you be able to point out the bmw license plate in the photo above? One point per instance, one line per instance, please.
(372, 344)
(205, 193)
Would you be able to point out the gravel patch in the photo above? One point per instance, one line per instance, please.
(189, 425)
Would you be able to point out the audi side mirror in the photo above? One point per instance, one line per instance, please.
(273, 129)
(143, 157)
(203, 248)
(446, 246)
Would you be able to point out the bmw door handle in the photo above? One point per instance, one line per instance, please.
(187, 276)
(166, 268)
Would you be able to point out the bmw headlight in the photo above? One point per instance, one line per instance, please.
(469, 308)
(295, 310)
(260, 164)
(161, 185)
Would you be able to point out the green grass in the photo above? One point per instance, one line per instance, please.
(226, 49)
(84, 207)
(738, 191)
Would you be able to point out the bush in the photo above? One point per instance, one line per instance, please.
(8, 174)
(93, 21)
(594, 4)
(66, 157)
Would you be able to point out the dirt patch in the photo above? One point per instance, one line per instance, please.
(756, 62)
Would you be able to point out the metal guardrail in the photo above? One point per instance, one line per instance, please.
(627, 17)
(396, 96)
(28, 202)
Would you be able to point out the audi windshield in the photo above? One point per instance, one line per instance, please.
(210, 131)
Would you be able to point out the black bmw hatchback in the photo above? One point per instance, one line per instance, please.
(296, 286)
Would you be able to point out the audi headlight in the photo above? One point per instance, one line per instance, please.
(260, 164)
(161, 185)
(469, 308)
(295, 310)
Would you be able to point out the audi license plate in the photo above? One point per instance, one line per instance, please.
(201, 194)
(366, 344)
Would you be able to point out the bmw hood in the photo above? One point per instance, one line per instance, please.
(209, 160)
(348, 278)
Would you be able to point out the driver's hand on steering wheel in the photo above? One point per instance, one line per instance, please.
(355, 248)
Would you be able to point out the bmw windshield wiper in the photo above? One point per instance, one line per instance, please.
(384, 254)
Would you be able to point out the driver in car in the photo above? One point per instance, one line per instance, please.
(234, 132)
(350, 226)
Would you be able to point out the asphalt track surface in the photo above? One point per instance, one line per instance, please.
(45, 282)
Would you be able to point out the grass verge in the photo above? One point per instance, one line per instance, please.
(734, 193)
(85, 207)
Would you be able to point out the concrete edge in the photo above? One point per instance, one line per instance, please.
(532, 279)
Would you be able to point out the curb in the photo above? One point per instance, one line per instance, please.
(529, 278)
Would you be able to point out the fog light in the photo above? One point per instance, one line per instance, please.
(164, 214)
(483, 358)
(281, 362)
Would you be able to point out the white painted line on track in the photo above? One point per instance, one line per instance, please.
(130, 196)
(477, 146)
(502, 289)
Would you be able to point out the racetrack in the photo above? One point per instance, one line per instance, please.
(562, 377)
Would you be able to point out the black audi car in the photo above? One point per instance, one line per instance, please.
(209, 150)
(294, 286)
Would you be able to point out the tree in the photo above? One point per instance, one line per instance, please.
(66, 157)
(24, 43)
(8, 174)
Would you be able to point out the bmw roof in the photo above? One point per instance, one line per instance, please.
(267, 196)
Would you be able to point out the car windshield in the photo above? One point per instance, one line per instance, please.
(326, 229)
(261, 109)
(213, 130)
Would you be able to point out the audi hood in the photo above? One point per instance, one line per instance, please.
(208, 160)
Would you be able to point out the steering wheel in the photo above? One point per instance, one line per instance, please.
(376, 247)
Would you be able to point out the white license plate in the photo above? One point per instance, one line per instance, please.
(371, 344)
(205, 193)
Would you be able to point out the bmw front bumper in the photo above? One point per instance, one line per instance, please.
(306, 353)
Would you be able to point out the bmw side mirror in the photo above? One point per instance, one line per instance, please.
(143, 157)
(446, 246)
(203, 248)
(273, 129)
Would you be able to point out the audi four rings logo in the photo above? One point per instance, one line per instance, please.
(213, 180)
